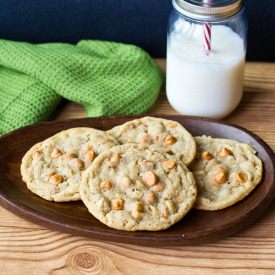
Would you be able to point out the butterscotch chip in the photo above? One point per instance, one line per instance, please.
(142, 197)
(64, 154)
(165, 212)
(170, 140)
(171, 206)
(241, 177)
(114, 161)
(221, 177)
(173, 125)
(77, 164)
(169, 164)
(37, 154)
(106, 185)
(55, 179)
(160, 134)
(149, 178)
(56, 153)
(160, 186)
(117, 204)
(150, 198)
(225, 152)
(139, 207)
(206, 155)
(219, 180)
(90, 156)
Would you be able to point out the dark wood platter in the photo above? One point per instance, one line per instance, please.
(195, 228)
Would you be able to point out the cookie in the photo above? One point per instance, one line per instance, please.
(226, 171)
(163, 135)
(134, 188)
(52, 168)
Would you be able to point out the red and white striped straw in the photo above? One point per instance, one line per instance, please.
(207, 38)
(207, 32)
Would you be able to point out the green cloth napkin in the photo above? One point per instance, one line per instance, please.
(106, 78)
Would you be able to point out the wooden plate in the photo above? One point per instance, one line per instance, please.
(195, 228)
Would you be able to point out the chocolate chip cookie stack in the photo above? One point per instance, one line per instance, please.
(146, 174)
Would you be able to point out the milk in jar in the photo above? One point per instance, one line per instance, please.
(199, 84)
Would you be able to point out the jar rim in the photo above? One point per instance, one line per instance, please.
(207, 10)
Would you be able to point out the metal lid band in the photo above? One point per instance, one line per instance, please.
(212, 11)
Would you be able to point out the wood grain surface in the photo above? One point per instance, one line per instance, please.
(26, 248)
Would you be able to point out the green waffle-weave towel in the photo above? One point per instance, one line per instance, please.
(107, 78)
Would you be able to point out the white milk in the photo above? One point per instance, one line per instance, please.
(201, 85)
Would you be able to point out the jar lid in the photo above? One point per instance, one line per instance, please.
(209, 10)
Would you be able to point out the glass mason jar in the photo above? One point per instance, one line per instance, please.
(206, 50)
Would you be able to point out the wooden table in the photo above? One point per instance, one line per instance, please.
(26, 248)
